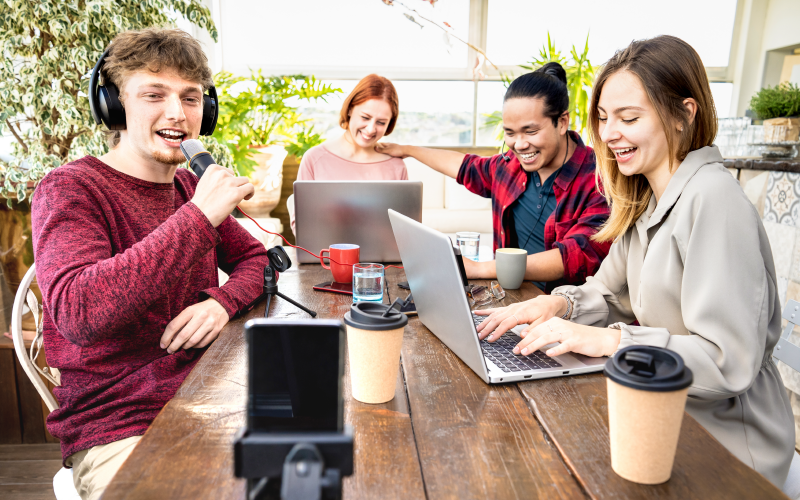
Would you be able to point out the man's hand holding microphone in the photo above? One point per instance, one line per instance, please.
(219, 191)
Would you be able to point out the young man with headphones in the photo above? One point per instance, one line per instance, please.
(544, 197)
(127, 248)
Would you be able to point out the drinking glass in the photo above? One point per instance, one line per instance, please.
(368, 282)
(469, 243)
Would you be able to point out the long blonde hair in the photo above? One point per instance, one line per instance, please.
(670, 71)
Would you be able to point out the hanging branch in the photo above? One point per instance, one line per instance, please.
(443, 28)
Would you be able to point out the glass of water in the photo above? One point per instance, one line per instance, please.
(469, 243)
(368, 282)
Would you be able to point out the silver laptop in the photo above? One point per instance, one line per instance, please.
(328, 212)
(435, 282)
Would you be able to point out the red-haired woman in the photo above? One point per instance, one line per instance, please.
(368, 114)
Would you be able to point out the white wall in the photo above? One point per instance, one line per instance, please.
(767, 25)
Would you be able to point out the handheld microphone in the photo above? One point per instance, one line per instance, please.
(197, 156)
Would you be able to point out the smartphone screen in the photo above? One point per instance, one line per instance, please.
(295, 375)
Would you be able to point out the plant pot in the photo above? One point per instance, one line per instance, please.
(781, 129)
(267, 178)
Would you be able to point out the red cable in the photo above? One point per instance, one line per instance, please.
(301, 248)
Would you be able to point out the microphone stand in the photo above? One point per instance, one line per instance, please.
(280, 262)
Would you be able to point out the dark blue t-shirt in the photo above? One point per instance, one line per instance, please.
(531, 211)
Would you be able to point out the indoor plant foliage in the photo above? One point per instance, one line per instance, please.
(580, 76)
(260, 111)
(779, 107)
(49, 48)
(777, 102)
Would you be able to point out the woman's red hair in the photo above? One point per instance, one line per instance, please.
(371, 87)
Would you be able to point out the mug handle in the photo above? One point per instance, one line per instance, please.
(321, 257)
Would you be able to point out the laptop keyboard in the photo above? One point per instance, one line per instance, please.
(501, 353)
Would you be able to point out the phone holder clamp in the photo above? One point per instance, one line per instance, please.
(306, 465)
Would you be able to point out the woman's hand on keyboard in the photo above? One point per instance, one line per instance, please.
(572, 337)
(532, 312)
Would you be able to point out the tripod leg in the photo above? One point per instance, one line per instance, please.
(299, 306)
(266, 309)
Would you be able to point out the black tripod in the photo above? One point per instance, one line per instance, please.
(280, 262)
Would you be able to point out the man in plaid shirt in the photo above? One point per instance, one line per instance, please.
(544, 196)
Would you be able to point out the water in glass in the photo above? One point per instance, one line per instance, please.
(469, 244)
(368, 282)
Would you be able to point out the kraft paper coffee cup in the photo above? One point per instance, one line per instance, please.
(647, 388)
(373, 349)
(511, 264)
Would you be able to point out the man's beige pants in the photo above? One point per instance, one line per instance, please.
(94, 468)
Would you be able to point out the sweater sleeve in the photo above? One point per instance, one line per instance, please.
(88, 291)
(243, 258)
(604, 298)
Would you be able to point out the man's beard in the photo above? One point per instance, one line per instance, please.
(173, 158)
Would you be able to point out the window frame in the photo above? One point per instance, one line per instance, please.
(477, 36)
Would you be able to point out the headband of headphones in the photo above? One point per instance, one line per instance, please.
(107, 108)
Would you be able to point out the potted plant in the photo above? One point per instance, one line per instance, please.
(49, 48)
(779, 107)
(261, 125)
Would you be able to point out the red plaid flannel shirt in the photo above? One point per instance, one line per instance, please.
(580, 208)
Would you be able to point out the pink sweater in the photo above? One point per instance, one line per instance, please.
(319, 164)
(117, 258)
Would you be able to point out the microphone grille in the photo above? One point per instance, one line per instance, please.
(192, 147)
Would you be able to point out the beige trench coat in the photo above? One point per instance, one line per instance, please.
(696, 272)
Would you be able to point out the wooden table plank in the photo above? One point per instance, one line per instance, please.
(475, 440)
(188, 450)
(574, 412)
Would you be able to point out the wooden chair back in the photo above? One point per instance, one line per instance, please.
(28, 358)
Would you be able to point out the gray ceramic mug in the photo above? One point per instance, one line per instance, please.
(511, 263)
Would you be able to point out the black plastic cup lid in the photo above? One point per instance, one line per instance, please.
(370, 316)
(648, 368)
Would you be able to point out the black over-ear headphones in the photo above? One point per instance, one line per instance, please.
(107, 108)
(505, 157)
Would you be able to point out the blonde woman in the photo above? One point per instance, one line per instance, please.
(690, 268)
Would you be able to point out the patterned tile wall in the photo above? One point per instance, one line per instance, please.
(780, 196)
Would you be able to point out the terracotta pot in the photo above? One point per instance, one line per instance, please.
(267, 178)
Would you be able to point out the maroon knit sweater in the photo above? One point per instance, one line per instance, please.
(117, 258)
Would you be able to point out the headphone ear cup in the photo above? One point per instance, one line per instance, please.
(111, 111)
(210, 112)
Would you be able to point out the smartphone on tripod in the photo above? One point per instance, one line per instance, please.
(295, 375)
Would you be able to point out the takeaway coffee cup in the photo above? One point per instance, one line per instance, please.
(511, 263)
(647, 388)
(342, 256)
(373, 349)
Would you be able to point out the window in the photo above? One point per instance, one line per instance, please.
(437, 113)
(439, 103)
(517, 29)
(362, 35)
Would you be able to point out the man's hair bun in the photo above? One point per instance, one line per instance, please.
(554, 69)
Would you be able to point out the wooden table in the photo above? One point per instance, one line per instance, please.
(446, 434)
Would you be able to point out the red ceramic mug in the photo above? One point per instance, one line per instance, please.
(344, 255)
